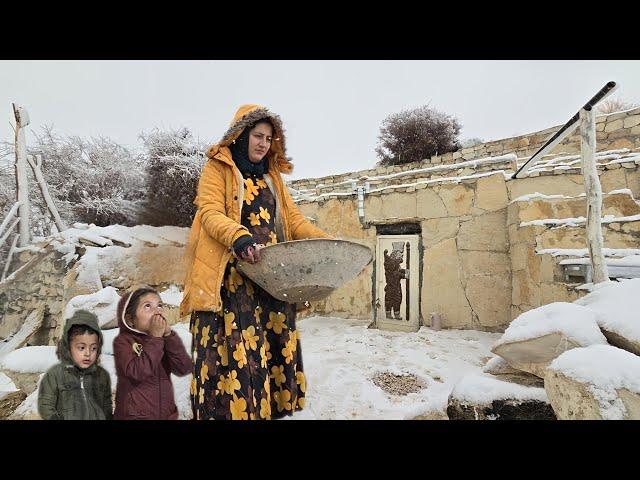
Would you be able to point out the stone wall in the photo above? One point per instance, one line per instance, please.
(613, 131)
(465, 249)
(538, 278)
(40, 284)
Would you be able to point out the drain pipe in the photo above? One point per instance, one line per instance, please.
(361, 190)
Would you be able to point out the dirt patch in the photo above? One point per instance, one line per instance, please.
(398, 384)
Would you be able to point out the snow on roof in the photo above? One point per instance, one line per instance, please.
(536, 195)
(584, 252)
(574, 222)
(441, 180)
(30, 359)
(622, 155)
(437, 168)
(576, 322)
(627, 261)
(483, 389)
(617, 304)
(605, 369)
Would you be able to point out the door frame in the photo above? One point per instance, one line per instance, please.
(381, 322)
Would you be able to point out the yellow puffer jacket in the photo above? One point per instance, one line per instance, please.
(217, 222)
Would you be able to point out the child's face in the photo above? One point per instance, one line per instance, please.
(149, 305)
(84, 349)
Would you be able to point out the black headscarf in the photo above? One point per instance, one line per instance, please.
(240, 153)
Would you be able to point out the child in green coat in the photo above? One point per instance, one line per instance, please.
(77, 388)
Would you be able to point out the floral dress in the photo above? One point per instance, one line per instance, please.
(247, 358)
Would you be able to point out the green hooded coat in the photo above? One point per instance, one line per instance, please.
(68, 392)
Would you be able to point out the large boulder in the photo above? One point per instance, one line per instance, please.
(618, 304)
(480, 397)
(599, 382)
(535, 338)
(24, 366)
(102, 303)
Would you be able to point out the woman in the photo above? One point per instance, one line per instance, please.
(246, 351)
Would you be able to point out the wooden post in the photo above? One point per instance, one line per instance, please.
(22, 187)
(9, 257)
(594, 195)
(6, 235)
(37, 172)
(7, 219)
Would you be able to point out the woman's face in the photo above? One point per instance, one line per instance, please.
(260, 138)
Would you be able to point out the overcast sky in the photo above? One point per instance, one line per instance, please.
(332, 110)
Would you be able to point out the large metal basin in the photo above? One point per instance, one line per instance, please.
(307, 270)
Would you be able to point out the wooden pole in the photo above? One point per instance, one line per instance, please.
(37, 172)
(594, 195)
(570, 126)
(9, 257)
(7, 219)
(22, 185)
(6, 235)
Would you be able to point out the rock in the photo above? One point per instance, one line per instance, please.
(9, 402)
(535, 354)
(599, 382)
(621, 326)
(538, 336)
(491, 193)
(31, 324)
(632, 121)
(479, 397)
(614, 125)
(457, 199)
(499, 368)
(620, 341)
(485, 232)
(27, 382)
(28, 409)
(102, 303)
(442, 274)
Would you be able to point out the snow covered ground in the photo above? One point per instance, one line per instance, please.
(341, 357)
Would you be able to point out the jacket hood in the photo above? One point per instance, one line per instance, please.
(80, 317)
(122, 308)
(245, 116)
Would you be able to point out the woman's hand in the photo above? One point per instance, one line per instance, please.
(246, 249)
(158, 325)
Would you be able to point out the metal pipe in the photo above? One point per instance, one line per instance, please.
(570, 126)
